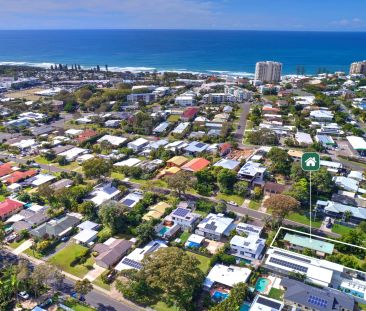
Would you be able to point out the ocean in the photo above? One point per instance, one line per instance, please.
(231, 52)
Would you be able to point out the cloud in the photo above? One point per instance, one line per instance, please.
(348, 23)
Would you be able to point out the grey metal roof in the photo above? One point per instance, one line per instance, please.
(304, 294)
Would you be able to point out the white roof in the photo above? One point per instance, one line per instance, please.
(84, 157)
(72, 153)
(251, 242)
(315, 268)
(129, 162)
(227, 163)
(103, 193)
(225, 275)
(42, 179)
(181, 127)
(15, 218)
(322, 114)
(138, 142)
(113, 140)
(84, 236)
(303, 138)
(219, 221)
(24, 143)
(357, 143)
(88, 225)
(73, 132)
(195, 238)
(356, 175)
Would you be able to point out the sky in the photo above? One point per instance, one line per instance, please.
(300, 15)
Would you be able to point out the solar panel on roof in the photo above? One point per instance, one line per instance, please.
(181, 212)
(292, 256)
(288, 264)
(200, 145)
(211, 226)
(132, 263)
(317, 301)
(269, 303)
(128, 202)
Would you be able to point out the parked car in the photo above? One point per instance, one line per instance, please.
(24, 295)
(232, 203)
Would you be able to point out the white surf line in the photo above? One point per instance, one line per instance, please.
(317, 236)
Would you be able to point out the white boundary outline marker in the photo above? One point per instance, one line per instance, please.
(310, 205)
(318, 236)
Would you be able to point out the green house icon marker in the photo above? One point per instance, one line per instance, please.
(310, 161)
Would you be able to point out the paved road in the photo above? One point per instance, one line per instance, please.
(239, 210)
(242, 122)
(50, 168)
(95, 298)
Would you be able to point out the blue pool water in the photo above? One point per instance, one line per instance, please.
(245, 306)
(262, 284)
(218, 296)
(193, 244)
(163, 230)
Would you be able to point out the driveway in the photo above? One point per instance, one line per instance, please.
(22, 247)
(94, 273)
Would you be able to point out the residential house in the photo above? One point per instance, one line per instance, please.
(338, 210)
(322, 115)
(134, 259)
(10, 207)
(18, 176)
(111, 252)
(184, 217)
(252, 172)
(227, 163)
(189, 114)
(306, 297)
(303, 139)
(264, 303)
(131, 199)
(156, 211)
(215, 226)
(227, 276)
(103, 193)
(115, 141)
(196, 165)
(138, 144)
(181, 128)
(247, 248)
(86, 135)
(57, 228)
(177, 161)
(73, 153)
(162, 128)
(195, 147)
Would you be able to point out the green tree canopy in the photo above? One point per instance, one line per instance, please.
(97, 167)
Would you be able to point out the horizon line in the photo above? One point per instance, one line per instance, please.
(183, 29)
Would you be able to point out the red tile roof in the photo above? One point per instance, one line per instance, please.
(190, 112)
(196, 165)
(225, 147)
(87, 134)
(5, 169)
(18, 176)
(9, 206)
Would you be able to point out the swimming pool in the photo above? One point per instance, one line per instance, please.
(262, 284)
(163, 230)
(245, 306)
(219, 296)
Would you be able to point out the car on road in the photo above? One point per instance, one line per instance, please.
(239, 127)
(65, 239)
(232, 203)
(24, 295)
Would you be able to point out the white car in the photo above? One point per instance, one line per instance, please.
(24, 295)
(232, 203)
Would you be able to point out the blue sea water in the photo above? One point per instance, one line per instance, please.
(186, 50)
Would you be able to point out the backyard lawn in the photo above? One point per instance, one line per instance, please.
(204, 261)
(341, 229)
(275, 293)
(184, 236)
(33, 253)
(64, 260)
(173, 118)
(302, 219)
(41, 160)
(230, 197)
(76, 306)
(117, 175)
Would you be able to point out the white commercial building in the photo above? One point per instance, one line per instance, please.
(268, 71)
